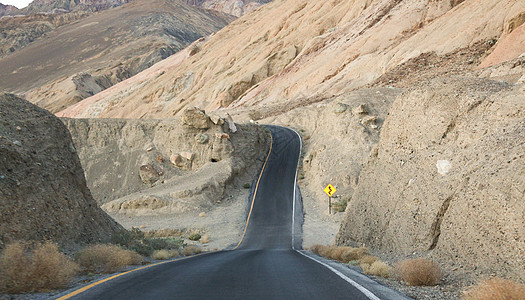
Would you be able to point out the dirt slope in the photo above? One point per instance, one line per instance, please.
(81, 59)
(447, 179)
(313, 48)
(43, 192)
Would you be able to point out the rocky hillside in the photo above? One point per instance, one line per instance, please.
(20, 31)
(81, 59)
(47, 6)
(43, 192)
(315, 49)
(8, 10)
(232, 7)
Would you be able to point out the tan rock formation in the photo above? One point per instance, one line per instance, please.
(447, 179)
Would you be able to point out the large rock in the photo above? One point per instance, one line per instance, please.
(447, 179)
(196, 118)
(43, 192)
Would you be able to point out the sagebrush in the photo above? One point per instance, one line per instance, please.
(38, 268)
(146, 243)
(496, 288)
(106, 258)
(419, 271)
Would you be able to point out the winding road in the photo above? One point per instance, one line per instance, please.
(266, 264)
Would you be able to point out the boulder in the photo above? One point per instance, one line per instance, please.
(196, 118)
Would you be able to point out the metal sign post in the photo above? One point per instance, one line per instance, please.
(330, 191)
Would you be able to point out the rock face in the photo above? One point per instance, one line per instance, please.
(447, 179)
(135, 160)
(43, 192)
(232, 7)
(77, 60)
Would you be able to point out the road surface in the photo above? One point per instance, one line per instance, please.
(264, 265)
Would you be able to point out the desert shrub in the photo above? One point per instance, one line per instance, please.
(205, 239)
(194, 237)
(379, 268)
(340, 206)
(163, 233)
(342, 254)
(246, 186)
(368, 260)
(106, 258)
(496, 288)
(137, 241)
(418, 271)
(190, 250)
(164, 254)
(41, 268)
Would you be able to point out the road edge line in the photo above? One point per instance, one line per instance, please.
(361, 288)
(296, 186)
(98, 282)
(255, 191)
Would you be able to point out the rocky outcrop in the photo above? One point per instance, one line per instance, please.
(8, 10)
(126, 160)
(447, 179)
(43, 192)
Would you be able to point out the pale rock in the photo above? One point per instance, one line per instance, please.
(362, 109)
(215, 119)
(369, 121)
(231, 124)
(176, 160)
(443, 167)
(188, 155)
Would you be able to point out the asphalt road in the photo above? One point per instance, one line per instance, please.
(264, 264)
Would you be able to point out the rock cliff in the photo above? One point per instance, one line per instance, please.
(43, 191)
(447, 178)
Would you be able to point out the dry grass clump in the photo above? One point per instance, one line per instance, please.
(419, 271)
(205, 239)
(496, 289)
(190, 250)
(163, 233)
(42, 268)
(380, 268)
(164, 254)
(342, 254)
(106, 258)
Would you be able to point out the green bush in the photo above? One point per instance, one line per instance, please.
(135, 240)
(194, 237)
(246, 186)
(341, 205)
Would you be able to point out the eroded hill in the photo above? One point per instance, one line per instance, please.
(82, 58)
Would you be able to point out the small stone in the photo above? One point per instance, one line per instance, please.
(202, 138)
(202, 215)
(340, 108)
(443, 167)
(362, 109)
(18, 128)
(369, 120)
(231, 124)
(160, 158)
(18, 143)
(149, 149)
(216, 120)
(188, 155)
(148, 174)
(176, 160)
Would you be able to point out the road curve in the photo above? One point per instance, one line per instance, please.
(264, 264)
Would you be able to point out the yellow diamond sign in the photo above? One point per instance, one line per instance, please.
(330, 190)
